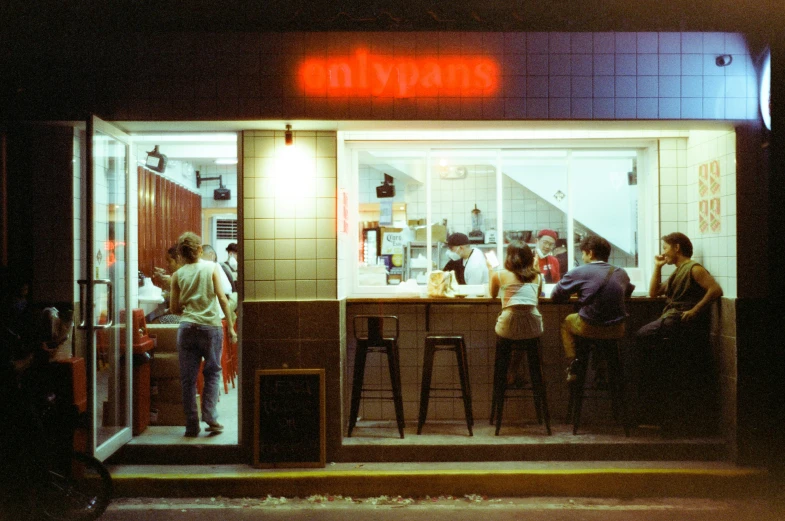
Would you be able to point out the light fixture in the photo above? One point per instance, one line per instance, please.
(559, 195)
(156, 161)
(288, 137)
(226, 161)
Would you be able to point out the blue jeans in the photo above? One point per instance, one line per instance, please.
(194, 343)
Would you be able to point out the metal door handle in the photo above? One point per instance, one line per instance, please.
(110, 307)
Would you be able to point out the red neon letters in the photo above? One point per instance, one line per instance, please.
(369, 75)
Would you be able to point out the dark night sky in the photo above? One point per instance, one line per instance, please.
(63, 16)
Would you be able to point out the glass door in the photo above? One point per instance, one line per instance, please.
(105, 286)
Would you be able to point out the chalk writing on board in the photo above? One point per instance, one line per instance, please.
(290, 416)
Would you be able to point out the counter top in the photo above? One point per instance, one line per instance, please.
(464, 300)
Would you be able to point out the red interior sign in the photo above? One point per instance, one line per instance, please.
(367, 74)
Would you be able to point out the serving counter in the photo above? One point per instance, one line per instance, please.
(475, 319)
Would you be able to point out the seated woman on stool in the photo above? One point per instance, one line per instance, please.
(520, 284)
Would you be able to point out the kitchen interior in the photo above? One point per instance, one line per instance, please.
(187, 181)
(393, 188)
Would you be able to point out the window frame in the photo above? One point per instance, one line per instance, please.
(647, 223)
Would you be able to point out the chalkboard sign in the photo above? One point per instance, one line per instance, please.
(289, 423)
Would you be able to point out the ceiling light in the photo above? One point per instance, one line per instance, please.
(226, 161)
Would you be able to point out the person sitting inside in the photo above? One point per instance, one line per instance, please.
(602, 289)
(546, 262)
(470, 260)
(690, 290)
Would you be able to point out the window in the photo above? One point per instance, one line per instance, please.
(412, 196)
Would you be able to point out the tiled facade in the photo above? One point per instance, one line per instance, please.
(289, 217)
(554, 76)
(292, 311)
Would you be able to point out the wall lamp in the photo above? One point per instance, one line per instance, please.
(288, 137)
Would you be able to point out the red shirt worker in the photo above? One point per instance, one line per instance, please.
(547, 263)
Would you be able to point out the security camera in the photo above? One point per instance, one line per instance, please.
(723, 60)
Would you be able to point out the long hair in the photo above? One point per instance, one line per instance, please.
(520, 261)
(188, 245)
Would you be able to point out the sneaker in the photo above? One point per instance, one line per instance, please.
(214, 427)
(572, 370)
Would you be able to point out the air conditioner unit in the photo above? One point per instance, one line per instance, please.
(223, 231)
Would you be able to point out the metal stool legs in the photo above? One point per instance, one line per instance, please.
(504, 351)
(607, 350)
(434, 343)
(376, 342)
(357, 384)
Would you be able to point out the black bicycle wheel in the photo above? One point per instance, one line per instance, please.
(79, 492)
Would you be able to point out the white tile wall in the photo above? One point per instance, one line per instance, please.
(715, 250)
(290, 216)
(678, 192)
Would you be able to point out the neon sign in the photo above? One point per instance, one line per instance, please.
(367, 74)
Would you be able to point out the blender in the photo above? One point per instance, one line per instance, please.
(476, 235)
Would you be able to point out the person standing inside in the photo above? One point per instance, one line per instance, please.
(209, 254)
(233, 263)
(475, 269)
(547, 263)
(520, 285)
(602, 289)
(197, 294)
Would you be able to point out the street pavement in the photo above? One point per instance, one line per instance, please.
(383, 508)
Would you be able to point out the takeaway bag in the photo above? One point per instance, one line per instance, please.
(442, 284)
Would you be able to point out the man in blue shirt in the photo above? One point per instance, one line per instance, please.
(601, 289)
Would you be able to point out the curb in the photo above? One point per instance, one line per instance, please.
(607, 482)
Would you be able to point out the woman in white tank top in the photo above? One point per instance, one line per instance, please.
(198, 296)
(520, 285)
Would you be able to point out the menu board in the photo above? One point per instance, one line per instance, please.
(289, 423)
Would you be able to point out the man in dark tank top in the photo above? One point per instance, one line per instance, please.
(674, 355)
(689, 290)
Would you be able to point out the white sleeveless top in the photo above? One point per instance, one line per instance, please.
(197, 294)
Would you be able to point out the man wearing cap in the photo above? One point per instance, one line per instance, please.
(475, 270)
(547, 263)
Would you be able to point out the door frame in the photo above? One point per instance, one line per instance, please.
(124, 435)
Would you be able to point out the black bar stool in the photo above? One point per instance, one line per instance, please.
(531, 348)
(456, 344)
(588, 349)
(376, 342)
(680, 381)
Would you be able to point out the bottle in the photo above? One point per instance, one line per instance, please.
(476, 235)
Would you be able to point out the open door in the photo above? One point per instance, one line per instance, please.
(105, 286)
